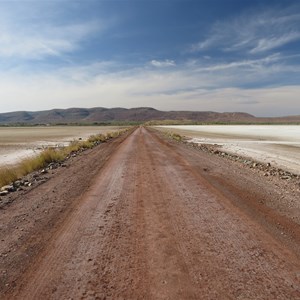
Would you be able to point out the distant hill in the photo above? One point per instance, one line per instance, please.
(140, 114)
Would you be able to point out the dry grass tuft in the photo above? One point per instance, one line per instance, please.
(175, 136)
(7, 175)
(40, 161)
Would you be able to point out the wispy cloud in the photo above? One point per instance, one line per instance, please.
(34, 30)
(265, 44)
(35, 43)
(254, 32)
(250, 64)
(163, 63)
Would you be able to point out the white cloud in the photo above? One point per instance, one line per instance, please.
(205, 83)
(179, 88)
(163, 63)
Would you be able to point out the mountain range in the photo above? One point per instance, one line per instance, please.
(140, 114)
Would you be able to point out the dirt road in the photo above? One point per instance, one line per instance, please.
(145, 218)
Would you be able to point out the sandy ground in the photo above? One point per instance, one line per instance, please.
(142, 217)
(17, 143)
(278, 145)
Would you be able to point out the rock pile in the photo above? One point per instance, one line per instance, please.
(266, 168)
(30, 180)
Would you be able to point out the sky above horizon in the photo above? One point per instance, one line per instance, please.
(203, 55)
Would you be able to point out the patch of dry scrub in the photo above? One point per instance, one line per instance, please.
(50, 155)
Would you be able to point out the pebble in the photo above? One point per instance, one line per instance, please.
(8, 188)
(17, 183)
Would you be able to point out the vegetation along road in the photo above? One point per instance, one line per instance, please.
(145, 217)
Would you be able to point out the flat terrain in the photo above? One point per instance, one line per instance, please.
(276, 144)
(142, 217)
(19, 142)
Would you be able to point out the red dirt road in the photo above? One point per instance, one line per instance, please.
(145, 218)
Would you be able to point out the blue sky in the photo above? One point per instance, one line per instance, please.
(219, 55)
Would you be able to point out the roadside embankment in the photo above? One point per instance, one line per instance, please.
(32, 170)
(272, 149)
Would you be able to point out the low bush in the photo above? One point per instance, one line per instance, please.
(176, 137)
